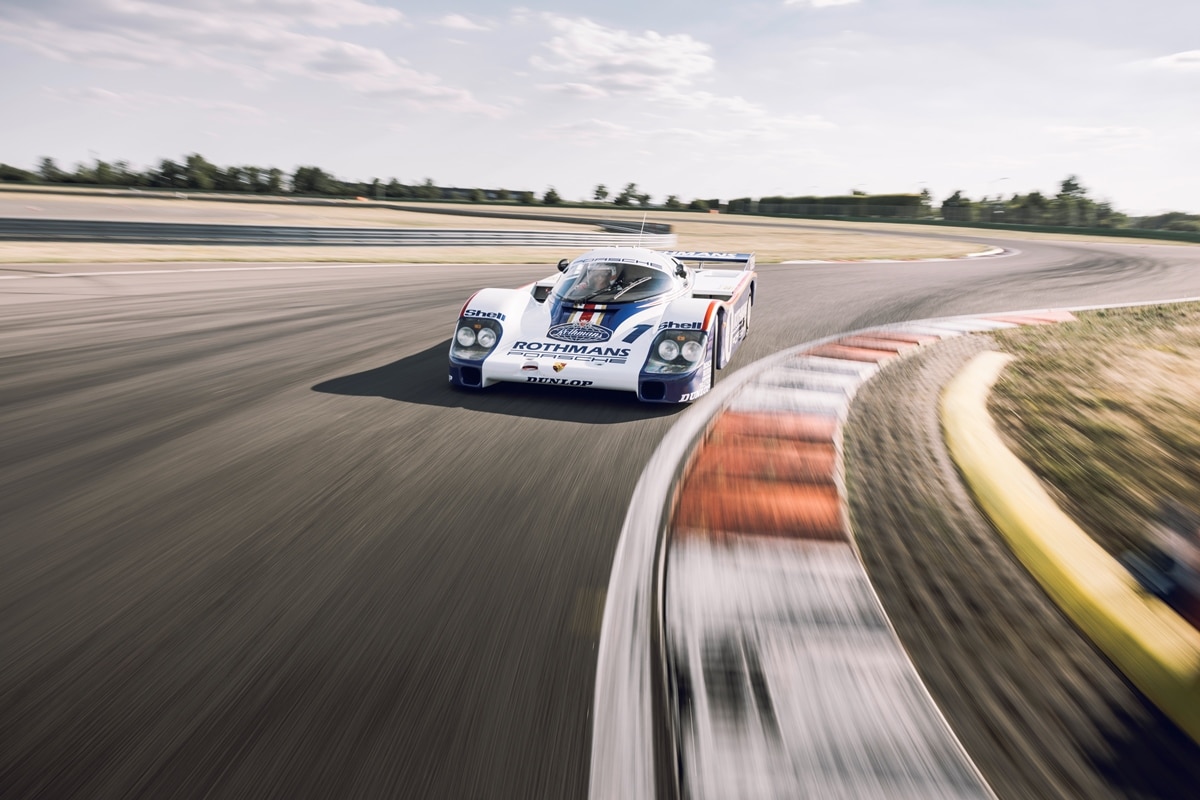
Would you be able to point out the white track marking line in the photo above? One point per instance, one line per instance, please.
(202, 269)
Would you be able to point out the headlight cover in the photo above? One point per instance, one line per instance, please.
(475, 338)
(676, 351)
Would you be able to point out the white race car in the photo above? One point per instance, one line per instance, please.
(659, 323)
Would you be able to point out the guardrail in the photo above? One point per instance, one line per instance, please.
(631, 225)
(57, 230)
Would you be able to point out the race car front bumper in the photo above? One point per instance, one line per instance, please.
(589, 370)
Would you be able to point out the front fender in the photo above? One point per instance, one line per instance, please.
(679, 380)
(502, 311)
(502, 304)
(689, 313)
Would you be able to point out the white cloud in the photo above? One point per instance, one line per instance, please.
(762, 130)
(146, 101)
(1103, 137)
(819, 3)
(327, 14)
(616, 62)
(584, 90)
(663, 71)
(587, 131)
(459, 22)
(1187, 61)
(255, 40)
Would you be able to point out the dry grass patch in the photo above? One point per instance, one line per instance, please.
(1106, 410)
(348, 214)
(771, 240)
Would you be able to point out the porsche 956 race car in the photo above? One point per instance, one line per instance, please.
(659, 323)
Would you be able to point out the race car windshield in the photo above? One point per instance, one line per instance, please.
(611, 282)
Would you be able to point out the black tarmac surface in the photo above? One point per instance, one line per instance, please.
(252, 544)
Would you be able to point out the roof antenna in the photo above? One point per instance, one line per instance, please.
(643, 228)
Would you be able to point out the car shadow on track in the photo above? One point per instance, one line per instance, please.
(421, 378)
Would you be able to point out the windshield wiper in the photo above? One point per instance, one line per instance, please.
(630, 286)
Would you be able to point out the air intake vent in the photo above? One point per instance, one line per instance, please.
(653, 390)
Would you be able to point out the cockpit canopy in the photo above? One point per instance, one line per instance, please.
(612, 280)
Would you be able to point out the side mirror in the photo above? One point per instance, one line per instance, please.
(681, 270)
(562, 265)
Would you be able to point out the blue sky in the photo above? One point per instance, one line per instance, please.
(698, 99)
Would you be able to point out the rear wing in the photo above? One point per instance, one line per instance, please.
(744, 260)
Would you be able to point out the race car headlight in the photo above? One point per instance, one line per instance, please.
(475, 338)
(676, 351)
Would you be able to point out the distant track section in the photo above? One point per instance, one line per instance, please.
(63, 230)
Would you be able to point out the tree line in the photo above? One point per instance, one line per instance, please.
(1071, 206)
(196, 173)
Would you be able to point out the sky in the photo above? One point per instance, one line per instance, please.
(694, 98)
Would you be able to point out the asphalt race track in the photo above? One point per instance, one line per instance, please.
(252, 544)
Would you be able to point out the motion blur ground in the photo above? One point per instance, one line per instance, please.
(785, 676)
(782, 677)
(252, 545)
(1045, 714)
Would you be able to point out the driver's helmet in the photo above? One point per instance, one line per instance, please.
(599, 276)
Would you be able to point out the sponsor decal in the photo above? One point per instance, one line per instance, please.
(558, 381)
(698, 254)
(739, 321)
(559, 366)
(526, 348)
(579, 332)
(633, 335)
(693, 395)
(606, 259)
(591, 354)
(474, 312)
(683, 326)
(581, 359)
